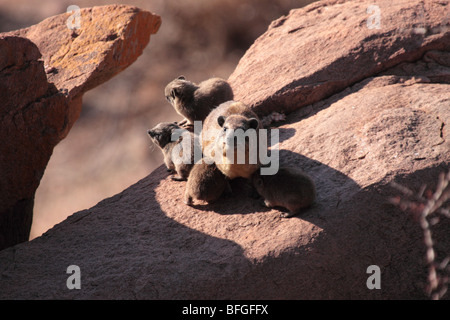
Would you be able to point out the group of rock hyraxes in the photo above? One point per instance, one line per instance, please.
(211, 102)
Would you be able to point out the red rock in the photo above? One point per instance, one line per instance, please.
(41, 100)
(352, 144)
(144, 243)
(321, 49)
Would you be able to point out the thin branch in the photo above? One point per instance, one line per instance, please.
(421, 208)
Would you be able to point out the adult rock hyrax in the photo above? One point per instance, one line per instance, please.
(161, 135)
(206, 182)
(289, 188)
(194, 102)
(221, 134)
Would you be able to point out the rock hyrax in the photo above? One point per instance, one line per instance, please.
(161, 135)
(220, 132)
(205, 182)
(195, 102)
(289, 188)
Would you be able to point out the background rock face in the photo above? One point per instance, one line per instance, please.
(144, 243)
(41, 99)
(110, 39)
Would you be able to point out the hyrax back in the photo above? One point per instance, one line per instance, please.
(205, 182)
(221, 133)
(180, 163)
(289, 188)
(195, 102)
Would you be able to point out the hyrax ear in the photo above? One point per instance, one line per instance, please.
(181, 78)
(253, 123)
(221, 120)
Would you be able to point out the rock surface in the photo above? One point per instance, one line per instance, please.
(144, 243)
(323, 48)
(41, 98)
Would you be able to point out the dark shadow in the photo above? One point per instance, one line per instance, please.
(361, 231)
(241, 200)
(24, 156)
(125, 242)
(129, 242)
(333, 187)
(283, 133)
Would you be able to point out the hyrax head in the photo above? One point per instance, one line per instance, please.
(161, 135)
(235, 129)
(236, 121)
(178, 89)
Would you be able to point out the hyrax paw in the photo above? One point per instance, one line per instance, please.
(262, 202)
(267, 204)
(286, 215)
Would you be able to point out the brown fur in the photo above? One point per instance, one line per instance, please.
(205, 182)
(289, 188)
(161, 136)
(229, 115)
(195, 102)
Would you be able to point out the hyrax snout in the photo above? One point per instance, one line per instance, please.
(289, 188)
(178, 153)
(194, 102)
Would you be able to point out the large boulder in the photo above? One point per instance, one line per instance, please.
(144, 243)
(44, 71)
(323, 48)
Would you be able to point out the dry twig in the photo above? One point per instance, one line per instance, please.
(422, 204)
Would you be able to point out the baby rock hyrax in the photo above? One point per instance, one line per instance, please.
(221, 132)
(161, 135)
(289, 188)
(205, 182)
(194, 102)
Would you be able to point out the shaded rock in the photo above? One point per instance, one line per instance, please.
(324, 47)
(32, 115)
(41, 98)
